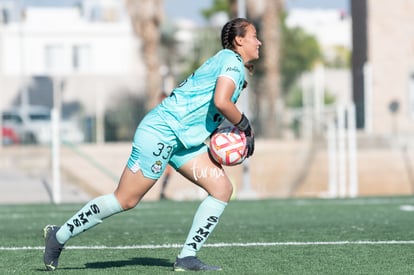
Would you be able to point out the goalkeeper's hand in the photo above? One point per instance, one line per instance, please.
(244, 126)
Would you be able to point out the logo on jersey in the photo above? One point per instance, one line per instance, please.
(217, 118)
(233, 69)
(156, 167)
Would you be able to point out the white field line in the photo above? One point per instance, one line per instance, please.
(149, 246)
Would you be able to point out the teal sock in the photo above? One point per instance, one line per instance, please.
(205, 220)
(90, 215)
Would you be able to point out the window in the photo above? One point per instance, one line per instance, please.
(81, 57)
(9, 118)
(39, 116)
(54, 58)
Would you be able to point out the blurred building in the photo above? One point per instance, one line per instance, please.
(331, 27)
(90, 51)
(383, 66)
(380, 34)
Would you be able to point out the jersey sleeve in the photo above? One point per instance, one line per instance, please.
(233, 69)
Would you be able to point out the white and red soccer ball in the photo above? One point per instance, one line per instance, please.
(228, 146)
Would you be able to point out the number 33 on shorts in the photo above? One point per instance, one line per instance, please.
(163, 151)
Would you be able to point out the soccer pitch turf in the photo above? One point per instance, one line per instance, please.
(281, 236)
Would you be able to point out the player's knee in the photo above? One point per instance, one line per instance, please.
(129, 203)
(223, 193)
(229, 189)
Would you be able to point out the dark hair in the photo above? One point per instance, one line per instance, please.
(233, 28)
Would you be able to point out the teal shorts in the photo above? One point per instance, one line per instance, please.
(155, 145)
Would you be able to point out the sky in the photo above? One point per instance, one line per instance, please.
(191, 9)
(313, 4)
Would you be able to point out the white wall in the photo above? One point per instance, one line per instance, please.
(44, 44)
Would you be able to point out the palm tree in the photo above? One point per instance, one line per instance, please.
(271, 52)
(267, 15)
(146, 20)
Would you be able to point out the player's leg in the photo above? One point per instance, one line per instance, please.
(134, 183)
(209, 175)
(166, 178)
(202, 171)
(132, 187)
(91, 214)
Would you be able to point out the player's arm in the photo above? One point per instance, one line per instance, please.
(222, 100)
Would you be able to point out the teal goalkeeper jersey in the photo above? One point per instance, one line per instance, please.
(190, 110)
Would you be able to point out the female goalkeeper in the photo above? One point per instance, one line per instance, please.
(174, 133)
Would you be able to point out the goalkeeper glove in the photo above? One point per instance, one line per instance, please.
(244, 126)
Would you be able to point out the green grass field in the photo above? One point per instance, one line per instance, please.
(295, 236)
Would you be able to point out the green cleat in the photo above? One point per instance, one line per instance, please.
(52, 247)
(192, 263)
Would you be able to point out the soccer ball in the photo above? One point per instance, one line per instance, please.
(228, 146)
